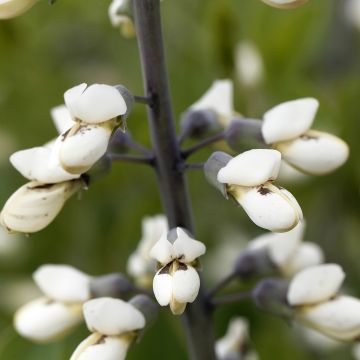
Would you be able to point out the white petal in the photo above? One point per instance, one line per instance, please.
(288, 174)
(186, 248)
(83, 146)
(34, 206)
(13, 8)
(281, 246)
(308, 254)
(36, 164)
(72, 95)
(285, 4)
(234, 340)
(44, 320)
(352, 12)
(289, 120)
(98, 346)
(63, 283)
(62, 118)
(218, 98)
(162, 251)
(186, 284)
(163, 287)
(315, 152)
(110, 316)
(98, 103)
(338, 318)
(251, 168)
(268, 207)
(315, 284)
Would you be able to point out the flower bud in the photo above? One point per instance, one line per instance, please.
(44, 320)
(112, 285)
(285, 4)
(13, 8)
(34, 206)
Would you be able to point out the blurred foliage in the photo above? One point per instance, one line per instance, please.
(311, 51)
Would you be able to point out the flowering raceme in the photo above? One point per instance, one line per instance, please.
(177, 282)
(286, 127)
(52, 316)
(13, 8)
(249, 180)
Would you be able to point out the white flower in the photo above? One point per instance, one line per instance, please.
(94, 104)
(356, 351)
(44, 320)
(249, 179)
(233, 345)
(352, 12)
(315, 284)
(219, 99)
(285, 4)
(287, 251)
(114, 323)
(48, 318)
(140, 265)
(249, 64)
(13, 8)
(287, 128)
(177, 282)
(119, 14)
(34, 206)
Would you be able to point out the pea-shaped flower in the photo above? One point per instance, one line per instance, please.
(54, 315)
(177, 282)
(114, 324)
(13, 8)
(287, 128)
(249, 178)
(285, 4)
(313, 293)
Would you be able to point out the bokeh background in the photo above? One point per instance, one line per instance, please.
(311, 51)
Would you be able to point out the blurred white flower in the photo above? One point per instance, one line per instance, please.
(249, 178)
(249, 64)
(140, 265)
(114, 323)
(289, 175)
(287, 251)
(219, 99)
(120, 17)
(356, 352)
(234, 344)
(177, 282)
(352, 12)
(318, 341)
(313, 293)
(50, 317)
(13, 8)
(287, 128)
(285, 4)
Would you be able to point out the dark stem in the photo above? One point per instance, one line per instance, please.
(142, 99)
(220, 285)
(168, 159)
(149, 160)
(138, 147)
(204, 143)
(231, 299)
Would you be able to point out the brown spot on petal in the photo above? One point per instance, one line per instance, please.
(165, 270)
(65, 134)
(308, 137)
(263, 191)
(182, 266)
(101, 341)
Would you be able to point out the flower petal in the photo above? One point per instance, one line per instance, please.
(63, 283)
(251, 168)
(289, 120)
(163, 287)
(34, 206)
(338, 318)
(315, 284)
(62, 118)
(186, 248)
(268, 207)
(110, 316)
(285, 4)
(43, 320)
(72, 95)
(186, 284)
(98, 346)
(13, 8)
(315, 152)
(162, 251)
(83, 146)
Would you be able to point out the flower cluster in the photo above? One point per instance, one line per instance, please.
(177, 282)
(114, 324)
(313, 294)
(54, 169)
(45, 319)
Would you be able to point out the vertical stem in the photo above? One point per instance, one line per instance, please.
(168, 158)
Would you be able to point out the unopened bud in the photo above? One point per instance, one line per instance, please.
(146, 306)
(129, 101)
(112, 285)
(197, 123)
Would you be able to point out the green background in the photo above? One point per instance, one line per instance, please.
(311, 51)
